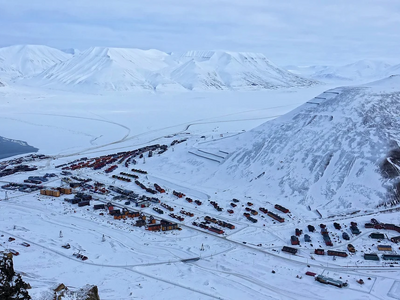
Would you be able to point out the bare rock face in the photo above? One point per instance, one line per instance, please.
(88, 292)
(11, 284)
(92, 293)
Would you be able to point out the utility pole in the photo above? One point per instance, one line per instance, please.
(6, 197)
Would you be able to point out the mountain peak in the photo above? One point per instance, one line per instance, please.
(132, 69)
(28, 60)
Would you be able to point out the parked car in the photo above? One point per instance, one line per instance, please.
(13, 252)
(25, 244)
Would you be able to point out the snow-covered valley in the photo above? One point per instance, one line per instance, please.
(317, 150)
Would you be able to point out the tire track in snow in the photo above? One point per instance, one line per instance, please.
(126, 267)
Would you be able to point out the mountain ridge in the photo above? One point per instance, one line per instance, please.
(130, 69)
(28, 60)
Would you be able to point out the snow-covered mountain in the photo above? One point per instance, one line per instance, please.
(72, 51)
(394, 70)
(28, 60)
(339, 151)
(232, 70)
(109, 69)
(360, 71)
(125, 69)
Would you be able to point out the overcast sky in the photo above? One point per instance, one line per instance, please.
(287, 31)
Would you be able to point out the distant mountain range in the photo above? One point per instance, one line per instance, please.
(100, 69)
(360, 71)
(125, 69)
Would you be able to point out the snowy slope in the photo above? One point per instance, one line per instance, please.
(28, 60)
(360, 71)
(124, 69)
(394, 70)
(363, 69)
(326, 154)
(72, 51)
(109, 69)
(204, 70)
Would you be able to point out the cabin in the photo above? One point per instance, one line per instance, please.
(99, 206)
(337, 226)
(371, 256)
(327, 240)
(384, 248)
(307, 238)
(354, 230)
(281, 208)
(276, 217)
(84, 203)
(119, 216)
(289, 250)
(140, 223)
(294, 240)
(345, 236)
(337, 253)
(154, 227)
(376, 235)
(54, 193)
(166, 225)
(133, 214)
(114, 212)
(328, 280)
(391, 257)
(216, 230)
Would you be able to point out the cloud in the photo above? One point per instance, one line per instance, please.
(291, 31)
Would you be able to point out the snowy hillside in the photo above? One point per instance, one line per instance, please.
(108, 69)
(360, 71)
(329, 154)
(394, 70)
(123, 69)
(217, 70)
(28, 60)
